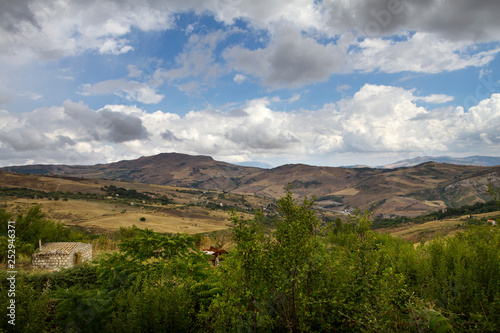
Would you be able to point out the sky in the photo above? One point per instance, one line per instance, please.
(319, 82)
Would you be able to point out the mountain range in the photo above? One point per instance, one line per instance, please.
(471, 160)
(406, 191)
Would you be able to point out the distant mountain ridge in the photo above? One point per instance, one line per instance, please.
(407, 191)
(261, 165)
(471, 160)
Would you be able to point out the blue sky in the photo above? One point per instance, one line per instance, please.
(327, 82)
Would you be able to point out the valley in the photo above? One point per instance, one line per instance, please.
(195, 195)
(84, 203)
(410, 191)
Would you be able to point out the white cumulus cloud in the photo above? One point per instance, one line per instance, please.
(131, 90)
(376, 120)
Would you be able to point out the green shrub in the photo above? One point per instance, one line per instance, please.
(33, 307)
(152, 304)
(31, 227)
(461, 274)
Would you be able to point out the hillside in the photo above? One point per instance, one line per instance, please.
(164, 169)
(89, 204)
(404, 191)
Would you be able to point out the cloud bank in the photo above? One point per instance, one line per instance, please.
(314, 38)
(376, 119)
(217, 52)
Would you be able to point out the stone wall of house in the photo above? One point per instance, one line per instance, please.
(53, 261)
(62, 258)
(85, 251)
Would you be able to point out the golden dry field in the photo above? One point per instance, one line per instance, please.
(348, 191)
(104, 216)
(185, 215)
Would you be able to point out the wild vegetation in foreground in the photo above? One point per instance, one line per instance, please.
(304, 276)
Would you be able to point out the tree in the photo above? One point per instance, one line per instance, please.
(293, 259)
(271, 283)
(494, 193)
(240, 307)
(31, 227)
(148, 244)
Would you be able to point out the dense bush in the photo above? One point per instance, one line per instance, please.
(302, 279)
(461, 275)
(31, 227)
(152, 304)
(123, 193)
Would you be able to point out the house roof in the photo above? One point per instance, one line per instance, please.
(64, 248)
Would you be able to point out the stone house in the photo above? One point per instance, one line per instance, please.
(59, 255)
